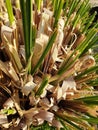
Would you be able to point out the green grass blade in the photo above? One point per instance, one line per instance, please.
(26, 10)
(72, 7)
(90, 22)
(29, 64)
(32, 44)
(58, 12)
(85, 9)
(89, 98)
(80, 49)
(55, 6)
(82, 46)
(91, 44)
(89, 71)
(42, 86)
(93, 83)
(91, 102)
(63, 123)
(67, 64)
(29, 21)
(65, 7)
(82, 7)
(92, 121)
(48, 47)
(70, 122)
(25, 28)
(38, 3)
(9, 11)
(73, 124)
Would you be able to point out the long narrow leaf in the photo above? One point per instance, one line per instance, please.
(26, 9)
(58, 12)
(69, 122)
(25, 28)
(90, 70)
(89, 23)
(64, 125)
(29, 21)
(71, 10)
(38, 3)
(10, 11)
(42, 86)
(89, 98)
(91, 120)
(48, 47)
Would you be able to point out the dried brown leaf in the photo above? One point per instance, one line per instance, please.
(3, 119)
(14, 56)
(45, 116)
(40, 45)
(87, 62)
(9, 103)
(8, 69)
(7, 32)
(28, 88)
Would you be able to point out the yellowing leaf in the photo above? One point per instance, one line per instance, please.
(9, 70)
(14, 56)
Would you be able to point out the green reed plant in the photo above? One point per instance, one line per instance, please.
(59, 91)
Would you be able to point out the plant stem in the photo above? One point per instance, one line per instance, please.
(10, 11)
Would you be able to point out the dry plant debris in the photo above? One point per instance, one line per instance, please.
(48, 65)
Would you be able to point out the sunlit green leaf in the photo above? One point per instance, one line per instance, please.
(9, 11)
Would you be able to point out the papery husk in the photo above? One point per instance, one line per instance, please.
(4, 68)
(45, 23)
(14, 56)
(2, 6)
(58, 97)
(68, 37)
(72, 70)
(28, 88)
(57, 124)
(8, 69)
(45, 115)
(46, 104)
(68, 84)
(94, 3)
(8, 33)
(33, 100)
(87, 62)
(20, 30)
(22, 54)
(68, 88)
(9, 103)
(40, 45)
(52, 57)
(3, 119)
(80, 39)
(29, 115)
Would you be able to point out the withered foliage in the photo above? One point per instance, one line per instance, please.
(58, 83)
